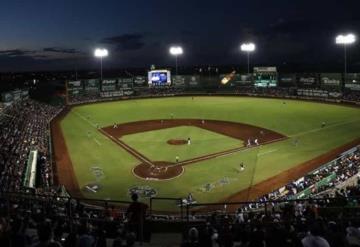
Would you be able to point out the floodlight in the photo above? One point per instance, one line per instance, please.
(101, 52)
(345, 39)
(176, 50)
(248, 47)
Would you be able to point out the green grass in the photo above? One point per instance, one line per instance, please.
(294, 118)
(153, 144)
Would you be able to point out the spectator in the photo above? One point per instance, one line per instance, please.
(136, 213)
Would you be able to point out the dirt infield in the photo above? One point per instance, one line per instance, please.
(176, 142)
(144, 170)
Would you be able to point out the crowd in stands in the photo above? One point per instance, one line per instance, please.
(352, 96)
(23, 128)
(303, 223)
(344, 168)
(55, 221)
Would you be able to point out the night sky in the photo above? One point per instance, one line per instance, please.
(61, 34)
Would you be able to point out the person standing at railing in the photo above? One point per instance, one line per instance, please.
(135, 214)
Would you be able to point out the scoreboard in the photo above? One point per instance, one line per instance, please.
(159, 78)
(265, 77)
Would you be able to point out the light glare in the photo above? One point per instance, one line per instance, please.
(176, 50)
(100, 52)
(345, 39)
(248, 47)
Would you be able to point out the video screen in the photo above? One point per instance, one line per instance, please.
(159, 77)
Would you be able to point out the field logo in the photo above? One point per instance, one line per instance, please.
(220, 183)
(97, 172)
(143, 191)
(92, 187)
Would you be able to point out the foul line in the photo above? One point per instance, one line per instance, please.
(120, 143)
(326, 127)
(85, 119)
(130, 150)
(96, 140)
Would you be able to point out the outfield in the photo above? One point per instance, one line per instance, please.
(96, 159)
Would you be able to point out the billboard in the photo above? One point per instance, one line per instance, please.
(193, 81)
(125, 82)
(140, 81)
(108, 85)
(234, 79)
(178, 81)
(92, 85)
(332, 80)
(117, 93)
(308, 80)
(242, 80)
(159, 78)
(352, 81)
(287, 80)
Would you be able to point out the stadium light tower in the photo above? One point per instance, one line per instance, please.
(101, 53)
(248, 48)
(345, 40)
(176, 51)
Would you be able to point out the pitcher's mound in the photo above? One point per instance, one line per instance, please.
(176, 142)
(159, 170)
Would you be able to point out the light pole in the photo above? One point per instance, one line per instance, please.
(345, 40)
(176, 51)
(101, 53)
(248, 48)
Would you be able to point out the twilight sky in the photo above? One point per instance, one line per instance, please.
(61, 34)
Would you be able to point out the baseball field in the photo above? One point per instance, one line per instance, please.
(216, 148)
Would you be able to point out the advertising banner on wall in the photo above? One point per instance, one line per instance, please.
(233, 79)
(178, 81)
(92, 85)
(308, 80)
(192, 81)
(330, 80)
(353, 81)
(108, 85)
(287, 80)
(140, 81)
(126, 82)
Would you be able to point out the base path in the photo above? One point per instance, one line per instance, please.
(165, 170)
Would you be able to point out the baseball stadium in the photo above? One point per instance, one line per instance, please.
(190, 150)
(165, 124)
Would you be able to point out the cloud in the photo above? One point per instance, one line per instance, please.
(126, 42)
(16, 53)
(61, 50)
